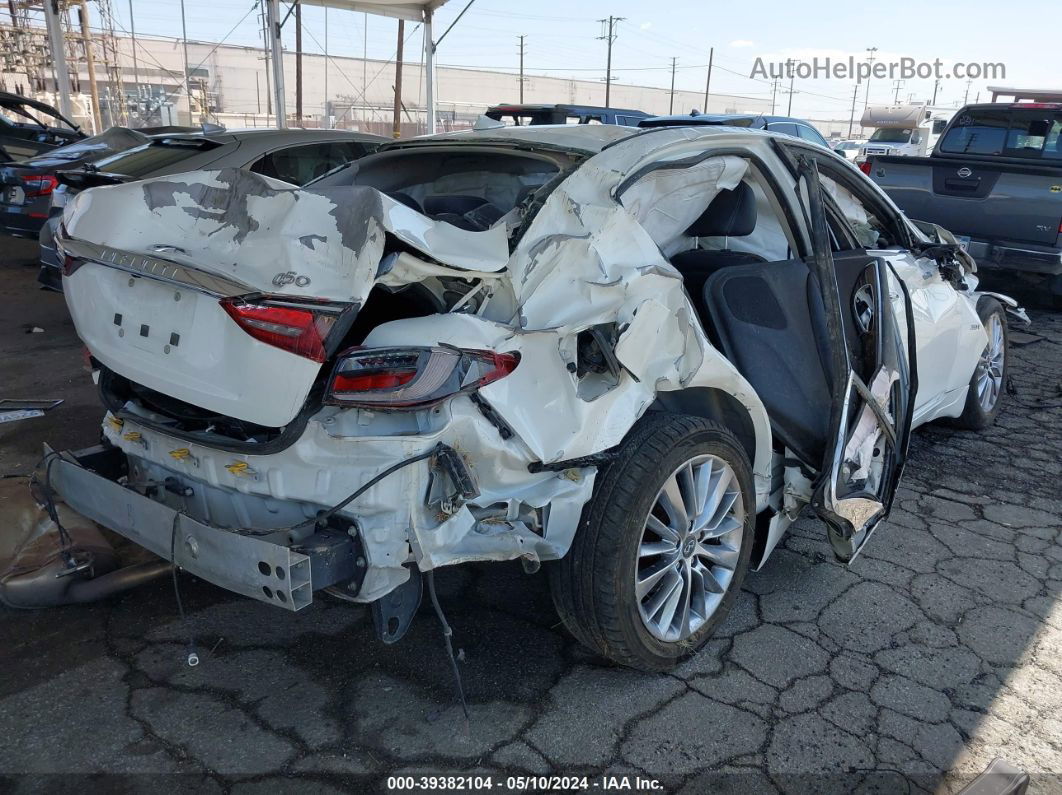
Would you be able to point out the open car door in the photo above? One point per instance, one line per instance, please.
(825, 342)
(873, 381)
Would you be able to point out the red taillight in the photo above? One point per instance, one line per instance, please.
(70, 264)
(865, 167)
(37, 186)
(1037, 105)
(405, 378)
(299, 330)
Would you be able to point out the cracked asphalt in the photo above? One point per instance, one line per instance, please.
(938, 650)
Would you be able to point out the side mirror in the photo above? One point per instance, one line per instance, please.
(840, 153)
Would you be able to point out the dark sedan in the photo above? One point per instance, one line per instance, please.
(29, 127)
(26, 186)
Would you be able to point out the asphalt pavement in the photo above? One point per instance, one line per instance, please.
(937, 651)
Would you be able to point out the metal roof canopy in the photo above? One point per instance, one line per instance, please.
(414, 10)
(1034, 94)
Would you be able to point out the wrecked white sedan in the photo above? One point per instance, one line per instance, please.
(636, 355)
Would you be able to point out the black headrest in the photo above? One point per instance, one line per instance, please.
(731, 214)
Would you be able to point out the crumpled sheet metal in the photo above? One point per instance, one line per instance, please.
(395, 524)
(588, 260)
(250, 228)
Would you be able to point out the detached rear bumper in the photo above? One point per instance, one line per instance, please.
(267, 569)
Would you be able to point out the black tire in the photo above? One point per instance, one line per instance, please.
(976, 416)
(593, 585)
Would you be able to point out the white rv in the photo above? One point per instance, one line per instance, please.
(903, 130)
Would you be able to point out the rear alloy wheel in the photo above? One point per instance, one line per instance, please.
(664, 544)
(989, 377)
(690, 548)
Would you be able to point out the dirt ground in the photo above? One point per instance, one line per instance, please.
(937, 651)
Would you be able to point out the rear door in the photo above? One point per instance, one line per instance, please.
(869, 354)
(872, 381)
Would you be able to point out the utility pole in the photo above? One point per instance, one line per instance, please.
(966, 96)
(774, 93)
(708, 82)
(327, 115)
(897, 85)
(870, 60)
(57, 44)
(396, 124)
(851, 117)
(521, 68)
(90, 65)
(298, 63)
(184, 41)
(792, 75)
(136, 69)
(609, 37)
(274, 21)
(365, 64)
(265, 51)
(936, 85)
(671, 103)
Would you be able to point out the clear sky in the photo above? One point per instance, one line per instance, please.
(562, 40)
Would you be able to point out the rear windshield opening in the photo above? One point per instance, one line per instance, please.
(471, 189)
(1011, 132)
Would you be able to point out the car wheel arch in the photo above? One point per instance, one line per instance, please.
(720, 405)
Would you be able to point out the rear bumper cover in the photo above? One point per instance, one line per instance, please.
(261, 567)
(22, 220)
(1012, 256)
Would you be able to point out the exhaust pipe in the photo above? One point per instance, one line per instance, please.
(117, 581)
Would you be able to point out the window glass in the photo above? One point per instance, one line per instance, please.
(1012, 132)
(1033, 136)
(142, 161)
(300, 164)
(891, 135)
(810, 134)
(866, 227)
(783, 127)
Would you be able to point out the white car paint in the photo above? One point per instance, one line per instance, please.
(586, 258)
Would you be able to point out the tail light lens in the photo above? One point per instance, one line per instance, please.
(284, 324)
(865, 167)
(37, 186)
(406, 378)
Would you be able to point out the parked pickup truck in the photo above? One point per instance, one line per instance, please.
(994, 179)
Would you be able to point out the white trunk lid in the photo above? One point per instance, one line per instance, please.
(161, 253)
